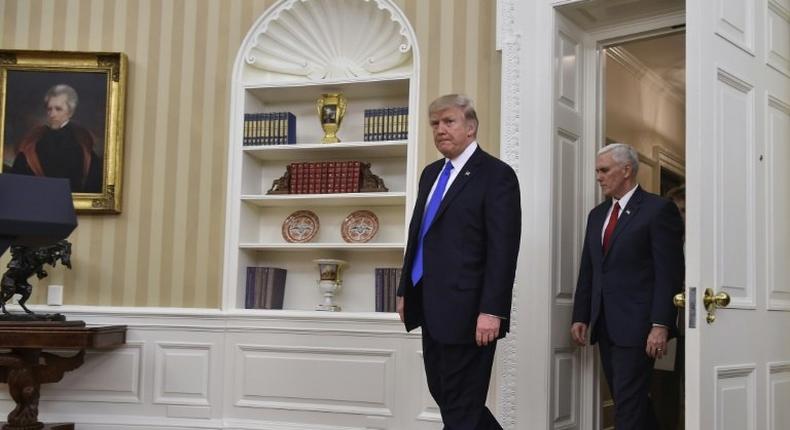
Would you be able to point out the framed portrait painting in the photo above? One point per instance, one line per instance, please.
(62, 115)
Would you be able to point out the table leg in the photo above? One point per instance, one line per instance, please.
(25, 369)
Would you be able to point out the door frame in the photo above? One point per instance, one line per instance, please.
(660, 158)
(525, 37)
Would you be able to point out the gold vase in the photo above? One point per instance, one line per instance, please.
(331, 109)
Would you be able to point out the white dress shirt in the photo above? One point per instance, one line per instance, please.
(458, 164)
(623, 203)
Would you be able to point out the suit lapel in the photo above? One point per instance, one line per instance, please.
(628, 213)
(463, 178)
(433, 171)
(596, 226)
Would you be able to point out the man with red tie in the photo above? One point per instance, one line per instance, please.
(632, 264)
(460, 264)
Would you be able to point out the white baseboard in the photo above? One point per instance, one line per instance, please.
(138, 423)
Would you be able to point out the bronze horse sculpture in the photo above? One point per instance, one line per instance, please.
(25, 262)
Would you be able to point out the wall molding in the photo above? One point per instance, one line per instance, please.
(641, 72)
(72, 388)
(206, 391)
(134, 423)
(167, 355)
(508, 42)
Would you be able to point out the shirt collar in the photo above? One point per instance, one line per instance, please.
(61, 126)
(626, 197)
(460, 161)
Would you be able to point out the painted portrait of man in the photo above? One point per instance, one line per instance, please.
(55, 126)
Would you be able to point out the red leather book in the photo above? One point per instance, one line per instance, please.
(330, 177)
(323, 177)
(343, 177)
(354, 177)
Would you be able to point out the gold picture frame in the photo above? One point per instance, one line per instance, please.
(51, 97)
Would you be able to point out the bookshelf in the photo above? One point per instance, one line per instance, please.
(372, 73)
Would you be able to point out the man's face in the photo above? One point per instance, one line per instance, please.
(57, 111)
(613, 178)
(451, 132)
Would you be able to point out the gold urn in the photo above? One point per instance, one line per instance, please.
(331, 109)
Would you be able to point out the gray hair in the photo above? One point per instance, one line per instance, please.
(455, 100)
(62, 89)
(622, 154)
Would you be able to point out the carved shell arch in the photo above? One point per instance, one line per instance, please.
(324, 40)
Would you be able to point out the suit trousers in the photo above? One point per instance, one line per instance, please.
(628, 370)
(458, 376)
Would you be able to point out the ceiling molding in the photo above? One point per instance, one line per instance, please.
(636, 67)
(600, 15)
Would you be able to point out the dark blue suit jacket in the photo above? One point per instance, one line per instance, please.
(635, 281)
(469, 253)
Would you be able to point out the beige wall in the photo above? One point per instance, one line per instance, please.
(639, 112)
(166, 247)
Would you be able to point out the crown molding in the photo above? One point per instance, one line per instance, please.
(638, 69)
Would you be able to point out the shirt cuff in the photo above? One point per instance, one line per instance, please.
(659, 325)
(495, 316)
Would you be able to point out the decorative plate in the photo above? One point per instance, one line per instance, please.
(359, 226)
(300, 226)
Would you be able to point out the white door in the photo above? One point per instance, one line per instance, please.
(738, 223)
(571, 155)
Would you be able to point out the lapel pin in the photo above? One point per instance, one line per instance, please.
(467, 173)
(627, 212)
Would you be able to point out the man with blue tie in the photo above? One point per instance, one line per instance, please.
(632, 265)
(460, 264)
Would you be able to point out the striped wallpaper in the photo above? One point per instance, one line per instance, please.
(166, 247)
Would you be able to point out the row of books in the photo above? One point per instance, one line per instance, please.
(276, 128)
(387, 280)
(322, 177)
(265, 288)
(390, 123)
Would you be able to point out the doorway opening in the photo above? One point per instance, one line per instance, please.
(643, 93)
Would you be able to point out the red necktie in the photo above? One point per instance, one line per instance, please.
(607, 234)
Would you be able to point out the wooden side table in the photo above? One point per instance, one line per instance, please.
(26, 367)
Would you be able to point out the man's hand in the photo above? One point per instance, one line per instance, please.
(399, 306)
(487, 329)
(657, 342)
(579, 333)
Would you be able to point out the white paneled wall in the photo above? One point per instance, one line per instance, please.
(209, 370)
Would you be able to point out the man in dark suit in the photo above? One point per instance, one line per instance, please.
(460, 264)
(61, 148)
(632, 265)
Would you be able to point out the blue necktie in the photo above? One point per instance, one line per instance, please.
(430, 213)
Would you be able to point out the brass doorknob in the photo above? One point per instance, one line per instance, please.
(713, 302)
(680, 300)
(720, 300)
